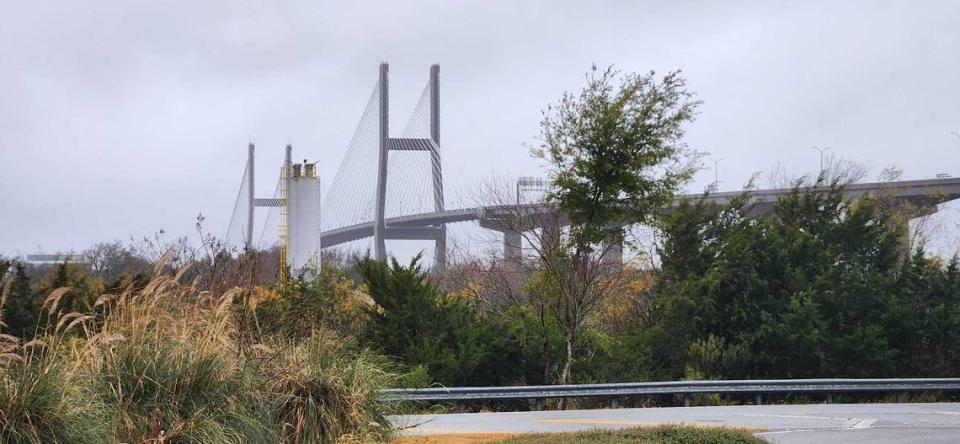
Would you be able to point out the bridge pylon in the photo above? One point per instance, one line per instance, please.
(431, 145)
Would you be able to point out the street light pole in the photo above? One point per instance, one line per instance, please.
(821, 150)
(955, 133)
(716, 171)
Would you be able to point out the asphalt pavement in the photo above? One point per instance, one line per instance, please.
(813, 423)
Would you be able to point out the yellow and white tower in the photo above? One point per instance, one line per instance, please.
(302, 202)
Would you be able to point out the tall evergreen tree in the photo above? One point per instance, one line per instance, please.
(415, 323)
(802, 291)
(20, 307)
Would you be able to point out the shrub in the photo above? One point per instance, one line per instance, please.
(167, 363)
(413, 322)
(169, 392)
(330, 301)
(19, 313)
(325, 389)
(42, 402)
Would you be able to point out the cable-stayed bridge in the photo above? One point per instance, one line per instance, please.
(392, 188)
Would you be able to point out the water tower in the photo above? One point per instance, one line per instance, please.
(299, 204)
(302, 217)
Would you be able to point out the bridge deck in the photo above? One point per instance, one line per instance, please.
(923, 193)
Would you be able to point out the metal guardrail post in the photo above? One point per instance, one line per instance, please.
(686, 400)
(829, 398)
(758, 400)
(538, 403)
(613, 402)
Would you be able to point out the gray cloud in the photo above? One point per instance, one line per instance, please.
(118, 118)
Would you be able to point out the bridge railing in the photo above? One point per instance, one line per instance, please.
(614, 392)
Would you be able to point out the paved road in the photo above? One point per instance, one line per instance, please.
(816, 423)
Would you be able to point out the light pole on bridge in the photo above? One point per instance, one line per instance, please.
(821, 150)
(716, 172)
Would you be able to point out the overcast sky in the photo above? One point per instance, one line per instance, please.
(119, 118)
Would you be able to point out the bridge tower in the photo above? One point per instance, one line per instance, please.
(431, 145)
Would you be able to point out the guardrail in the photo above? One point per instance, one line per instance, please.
(614, 392)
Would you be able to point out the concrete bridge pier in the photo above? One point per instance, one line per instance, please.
(613, 254)
(512, 246)
(613, 249)
(907, 213)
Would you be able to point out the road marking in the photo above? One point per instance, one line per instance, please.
(848, 423)
(441, 431)
(781, 432)
(591, 421)
(453, 438)
(861, 423)
(761, 415)
(934, 412)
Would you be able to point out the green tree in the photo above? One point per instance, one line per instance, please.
(703, 281)
(924, 322)
(82, 291)
(5, 265)
(805, 290)
(615, 156)
(20, 305)
(615, 152)
(416, 324)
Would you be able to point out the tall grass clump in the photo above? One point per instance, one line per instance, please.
(171, 363)
(41, 401)
(168, 362)
(42, 397)
(325, 389)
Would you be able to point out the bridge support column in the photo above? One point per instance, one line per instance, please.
(379, 224)
(512, 246)
(613, 254)
(911, 212)
(440, 244)
(551, 227)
